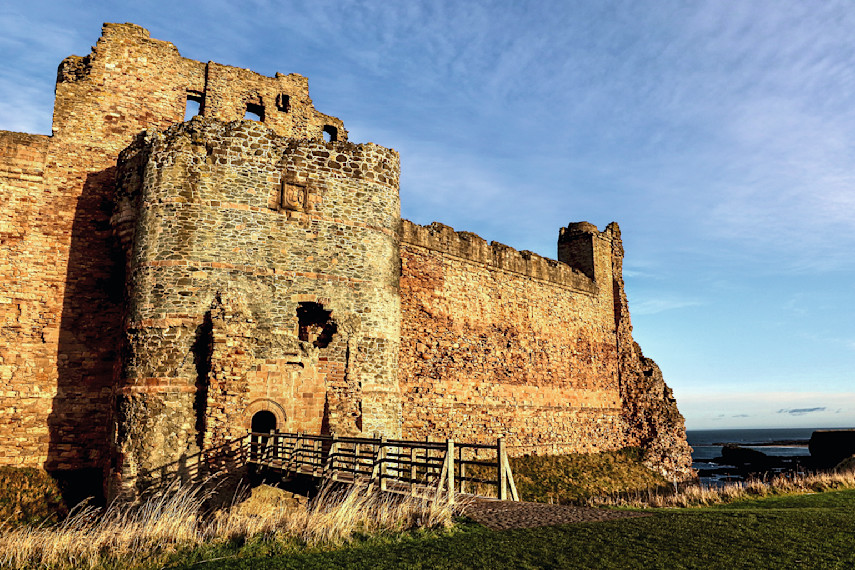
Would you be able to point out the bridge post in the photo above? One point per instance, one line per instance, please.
(500, 465)
(298, 446)
(449, 458)
(461, 460)
(381, 457)
(328, 467)
(413, 471)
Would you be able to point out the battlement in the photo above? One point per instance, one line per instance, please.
(475, 249)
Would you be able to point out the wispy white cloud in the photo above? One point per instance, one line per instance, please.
(756, 409)
(785, 125)
(654, 306)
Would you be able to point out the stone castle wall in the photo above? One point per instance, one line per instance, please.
(500, 342)
(166, 281)
(27, 328)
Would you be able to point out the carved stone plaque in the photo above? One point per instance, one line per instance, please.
(294, 197)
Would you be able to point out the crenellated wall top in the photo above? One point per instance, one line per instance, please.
(475, 249)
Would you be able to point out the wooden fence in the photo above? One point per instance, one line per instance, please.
(418, 468)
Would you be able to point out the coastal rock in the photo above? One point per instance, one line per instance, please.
(830, 447)
(845, 466)
(747, 458)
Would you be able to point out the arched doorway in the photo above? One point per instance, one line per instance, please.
(263, 422)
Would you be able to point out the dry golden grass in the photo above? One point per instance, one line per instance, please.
(127, 536)
(697, 495)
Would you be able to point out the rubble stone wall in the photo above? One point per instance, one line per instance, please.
(500, 342)
(497, 342)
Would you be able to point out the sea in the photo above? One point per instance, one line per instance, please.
(707, 444)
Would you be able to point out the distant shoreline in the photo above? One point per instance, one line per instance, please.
(779, 443)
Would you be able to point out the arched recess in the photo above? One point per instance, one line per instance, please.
(263, 422)
(264, 405)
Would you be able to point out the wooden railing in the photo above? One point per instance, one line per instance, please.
(418, 468)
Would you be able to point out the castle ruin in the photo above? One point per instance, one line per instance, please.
(167, 283)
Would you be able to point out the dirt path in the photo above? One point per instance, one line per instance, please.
(504, 515)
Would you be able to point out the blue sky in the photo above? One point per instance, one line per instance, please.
(719, 135)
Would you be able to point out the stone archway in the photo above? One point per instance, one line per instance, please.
(274, 414)
(263, 422)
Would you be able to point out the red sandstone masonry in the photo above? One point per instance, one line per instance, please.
(60, 318)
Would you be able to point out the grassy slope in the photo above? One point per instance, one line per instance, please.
(808, 531)
(573, 477)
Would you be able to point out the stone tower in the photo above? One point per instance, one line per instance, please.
(262, 278)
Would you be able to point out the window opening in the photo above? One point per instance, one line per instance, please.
(263, 422)
(330, 133)
(283, 103)
(315, 324)
(254, 112)
(194, 104)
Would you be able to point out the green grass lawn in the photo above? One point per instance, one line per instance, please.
(806, 531)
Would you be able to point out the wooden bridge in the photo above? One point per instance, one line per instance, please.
(417, 468)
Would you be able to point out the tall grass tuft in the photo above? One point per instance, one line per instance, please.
(137, 536)
(696, 495)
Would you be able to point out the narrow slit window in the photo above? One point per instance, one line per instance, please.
(283, 103)
(254, 112)
(193, 106)
(330, 133)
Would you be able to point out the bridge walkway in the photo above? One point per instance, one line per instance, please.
(417, 468)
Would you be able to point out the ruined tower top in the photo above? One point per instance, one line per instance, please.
(130, 82)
